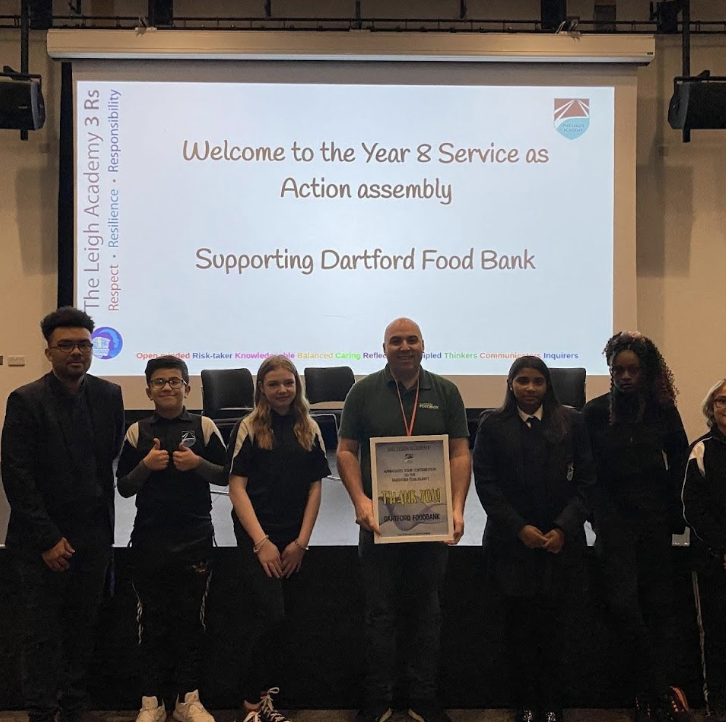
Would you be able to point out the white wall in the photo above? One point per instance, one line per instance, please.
(681, 225)
(681, 258)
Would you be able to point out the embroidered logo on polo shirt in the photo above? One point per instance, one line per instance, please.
(188, 439)
(428, 405)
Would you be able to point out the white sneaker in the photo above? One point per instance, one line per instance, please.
(191, 709)
(267, 712)
(151, 711)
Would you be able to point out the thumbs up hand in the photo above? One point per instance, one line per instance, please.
(185, 459)
(156, 459)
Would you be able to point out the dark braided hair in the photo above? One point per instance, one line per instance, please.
(657, 385)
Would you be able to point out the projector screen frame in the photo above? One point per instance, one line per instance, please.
(153, 44)
(478, 391)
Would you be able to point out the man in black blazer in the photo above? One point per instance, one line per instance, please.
(60, 438)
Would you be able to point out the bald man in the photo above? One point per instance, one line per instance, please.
(402, 399)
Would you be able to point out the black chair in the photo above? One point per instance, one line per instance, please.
(227, 394)
(569, 386)
(325, 385)
(473, 416)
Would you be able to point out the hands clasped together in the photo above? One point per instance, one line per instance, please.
(279, 565)
(533, 538)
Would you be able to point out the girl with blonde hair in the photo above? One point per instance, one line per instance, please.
(277, 464)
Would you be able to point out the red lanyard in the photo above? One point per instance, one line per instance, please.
(406, 425)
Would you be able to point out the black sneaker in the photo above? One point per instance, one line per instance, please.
(428, 712)
(267, 711)
(373, 714)
(526, 714)
(643, 709)
(673, 707)
(552, 715)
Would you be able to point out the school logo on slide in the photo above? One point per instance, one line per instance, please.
(107, 342)
(572, 116)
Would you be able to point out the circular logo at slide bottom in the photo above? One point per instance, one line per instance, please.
(107, 342)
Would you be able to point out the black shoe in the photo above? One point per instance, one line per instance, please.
(427, 712)
(79, 716)
(526, 715)
(373, 714)
(643, 709)
(673, 707)
(552, 715)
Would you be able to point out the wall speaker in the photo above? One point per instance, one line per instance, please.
(161, 13)
(21, 105)
(553, 13)
(41, 14)
(698, 104)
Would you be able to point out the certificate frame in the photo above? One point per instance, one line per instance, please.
(411, 485)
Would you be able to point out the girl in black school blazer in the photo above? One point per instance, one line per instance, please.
(533, 469)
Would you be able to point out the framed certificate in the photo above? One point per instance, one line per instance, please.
(411, 481)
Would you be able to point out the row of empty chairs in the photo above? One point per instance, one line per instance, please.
(228, 394)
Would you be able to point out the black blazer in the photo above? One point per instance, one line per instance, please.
(499, 477)
(37, 468)
(654, 449)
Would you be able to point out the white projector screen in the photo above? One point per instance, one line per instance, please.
(226, 211)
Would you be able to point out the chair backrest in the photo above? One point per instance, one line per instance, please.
(569, 386)
(227, 393)
(328, 384)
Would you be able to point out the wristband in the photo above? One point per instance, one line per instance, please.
(299, 545)
(256, 548)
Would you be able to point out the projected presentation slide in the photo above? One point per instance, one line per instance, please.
(224, 222)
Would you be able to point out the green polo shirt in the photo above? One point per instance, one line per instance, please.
(372, 409)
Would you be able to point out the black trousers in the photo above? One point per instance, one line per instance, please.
(535, 637)
(402, 618)
(171, 605)
(712, 586)
(637, 570)
(61, 611)
(263, 649)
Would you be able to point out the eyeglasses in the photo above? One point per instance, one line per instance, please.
(720, 402)
(174, 383)
(68, 346)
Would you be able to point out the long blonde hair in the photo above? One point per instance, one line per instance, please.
(260, 420)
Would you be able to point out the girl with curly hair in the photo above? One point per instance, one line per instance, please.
(640, 450)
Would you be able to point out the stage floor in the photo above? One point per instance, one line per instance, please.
(328, 715)
(464, 715)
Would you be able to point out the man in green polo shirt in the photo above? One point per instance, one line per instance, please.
(402, 400)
